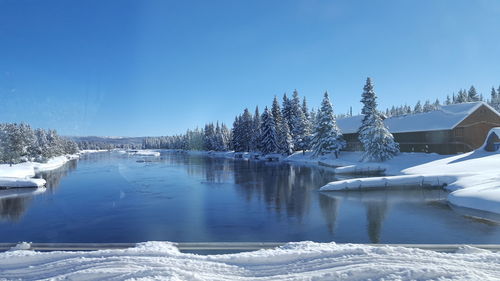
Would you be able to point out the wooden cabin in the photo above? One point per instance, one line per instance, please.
(451, 129)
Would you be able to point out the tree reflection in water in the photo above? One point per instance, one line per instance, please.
(285, 188)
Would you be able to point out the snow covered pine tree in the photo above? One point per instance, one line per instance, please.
(327, 136)
(269, 138)
(377, 141)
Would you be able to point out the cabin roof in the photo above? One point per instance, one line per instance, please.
(445, 118)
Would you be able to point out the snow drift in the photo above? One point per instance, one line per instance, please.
(293, 261)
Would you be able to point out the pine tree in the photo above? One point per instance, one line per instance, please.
(427, 106)
(327, 136)
(298, 123)
(287, 111)
(285, 145)
(306, 144)
(269, 137)
(462, 96)
(256, 131)
(236, 135)
(378, 142)
(448, 100)
(285, 142)
(418, 108)
(436, 105)
(495, 99)
(472, 95)
(246, 131)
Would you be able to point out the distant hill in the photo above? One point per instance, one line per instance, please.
(115, 141)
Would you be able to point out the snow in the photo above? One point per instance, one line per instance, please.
(473, 178)
(22, 170)
(21, 175)
(20, 182)
(84, 151)
(52, 163)
(400, 182)
(445, 118)
(21, 192)
(293, 261)
(144, 152)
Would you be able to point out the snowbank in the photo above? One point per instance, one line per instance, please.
(20, 175)
(84, 151)
(52, 163)
(400, 182)
(22, 170)
(293, 261)
(473, 178)
(144, 153)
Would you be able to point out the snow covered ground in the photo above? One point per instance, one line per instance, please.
(293, 261)
(21, 175)
(144, 152)
(473, 178)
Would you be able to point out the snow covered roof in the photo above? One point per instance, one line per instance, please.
(445, 118)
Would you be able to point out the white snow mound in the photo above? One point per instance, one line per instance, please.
(294, 261)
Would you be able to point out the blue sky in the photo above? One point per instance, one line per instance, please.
(134, 68)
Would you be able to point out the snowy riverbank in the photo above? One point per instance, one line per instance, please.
(293, 261)
(473, 178)
(21, 175)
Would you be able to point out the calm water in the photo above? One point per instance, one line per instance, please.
(110, 197)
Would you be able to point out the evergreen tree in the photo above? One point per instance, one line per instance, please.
(256, 131)
(287, 111)
(436, 105)
(472, 95)
(298, 123)
(418, 108)
(327, 136)
(462, 96)
(378, 142)
(285, 142)
(285, 145)
(495, 99)
(269, 136)
(448, 100)
(427, 106)
(236, 135)
(246, 131)
(306, 141)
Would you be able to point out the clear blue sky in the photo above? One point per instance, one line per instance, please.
(134, 68)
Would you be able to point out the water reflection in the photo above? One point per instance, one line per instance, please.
(12, 209)
(53, 178)
(329, 208)
(285, 188)
(375, 215)
(14, 202)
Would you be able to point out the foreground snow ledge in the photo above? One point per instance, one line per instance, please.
(293, 261)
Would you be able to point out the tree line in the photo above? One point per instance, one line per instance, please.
(462, 96)
(286, 127)
(21, 143)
